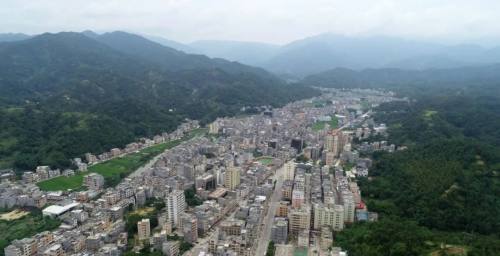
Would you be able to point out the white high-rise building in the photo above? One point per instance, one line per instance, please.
(176, 205)
(213, 128)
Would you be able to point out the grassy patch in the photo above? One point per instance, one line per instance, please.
(143, 211)
(320, 125)
(365, 105)
(117, 167)
(450, 250)
(265, 160)
(429, 114)
(300, 252)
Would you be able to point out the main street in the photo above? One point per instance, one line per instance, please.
(265, 234)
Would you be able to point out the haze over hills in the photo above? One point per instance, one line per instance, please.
(251, 53)
(327, 51)
(83, 92)
(487, 75)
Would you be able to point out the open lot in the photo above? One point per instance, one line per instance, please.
(13, 215)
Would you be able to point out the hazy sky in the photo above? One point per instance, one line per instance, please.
(273, 21)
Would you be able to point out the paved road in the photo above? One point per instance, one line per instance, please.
(146, 166)
(265, 234)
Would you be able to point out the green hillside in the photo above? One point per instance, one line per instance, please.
(65, 94)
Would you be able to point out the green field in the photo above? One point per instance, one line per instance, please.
(116, 169)
(365, 105)
(265, 160)
(300, 252)
(318, 126)
(25, 227)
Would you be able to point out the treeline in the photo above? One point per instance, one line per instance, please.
(442, 195)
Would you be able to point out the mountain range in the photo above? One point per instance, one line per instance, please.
(65, 94)
(327, 51)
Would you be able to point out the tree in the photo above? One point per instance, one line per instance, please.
(271, 249)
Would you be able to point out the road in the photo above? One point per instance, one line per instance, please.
(146, 166)
(265, 233)
(151, 162)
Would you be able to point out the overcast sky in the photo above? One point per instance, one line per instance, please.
(273, 21)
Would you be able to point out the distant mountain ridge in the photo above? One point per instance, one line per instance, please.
(310, 55)
(486, 76)
(12, 37)
(328, 51)
(251, 53)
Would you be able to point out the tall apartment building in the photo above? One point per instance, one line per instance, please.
(171, 248)
(299, 219)
(232, 178)
(213, 128)
(190, 228)
(329, 158)
(327, 216)
(282, 210)
(176, 205)
(349, 206)
(337, 143)
(279, 231)
(297, 198)
(289, 168)
(143, 229)
(329, 142)
(286, 190)
(303, 238)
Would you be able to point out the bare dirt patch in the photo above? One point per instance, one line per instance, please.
(13, 215)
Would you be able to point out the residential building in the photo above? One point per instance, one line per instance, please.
(232, 178)
(175, 205)
(94, 181)
(143, 229)
(279, 231)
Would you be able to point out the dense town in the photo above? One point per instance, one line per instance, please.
(283, 181)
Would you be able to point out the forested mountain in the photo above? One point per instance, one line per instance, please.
(445, 187)
(65, 94)
(169, 58)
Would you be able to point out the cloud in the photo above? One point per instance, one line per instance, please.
(276, 21)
